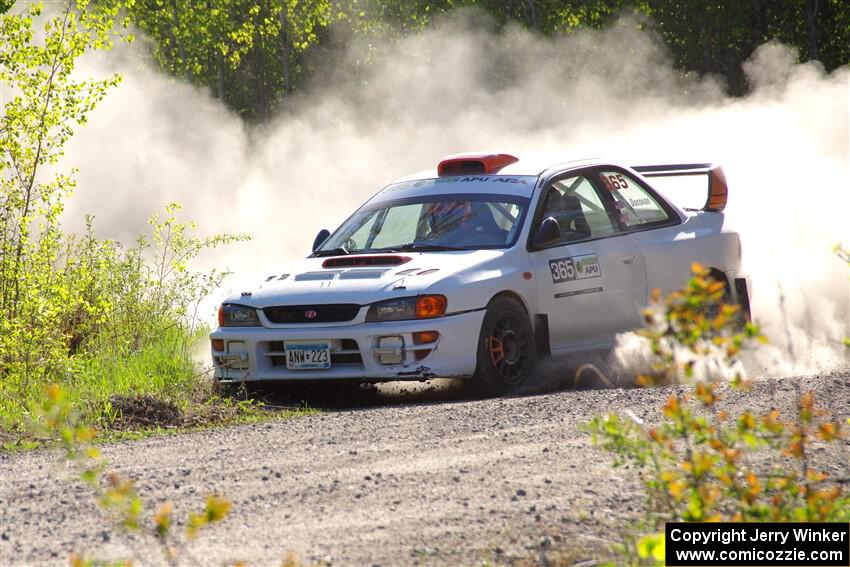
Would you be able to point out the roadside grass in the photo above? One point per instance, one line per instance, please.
(111, 323)
(161, 369)
(225, 413)
(158, 389)
(117, 332)
(211, 413)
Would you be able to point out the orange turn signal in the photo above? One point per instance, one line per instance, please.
(425, 337)
(429, 306)
(218, 344)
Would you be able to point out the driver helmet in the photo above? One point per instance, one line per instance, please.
(443, 216)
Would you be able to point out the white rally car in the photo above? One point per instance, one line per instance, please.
(477, 270)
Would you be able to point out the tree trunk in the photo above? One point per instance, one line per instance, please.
(285, 50)
(811, 21)
(532, 15)
(220, 76)
(175, 14)
(263, 105)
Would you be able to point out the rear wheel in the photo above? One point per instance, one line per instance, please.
(506, 349)
(740, 298)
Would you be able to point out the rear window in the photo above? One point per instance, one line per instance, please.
(634, 205)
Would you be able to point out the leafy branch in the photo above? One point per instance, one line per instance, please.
(700, 463)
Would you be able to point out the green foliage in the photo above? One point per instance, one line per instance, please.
(717, 37)
(253, 54)
(700, 463)
(652, 546)
(246, 51)
(79, 310)
(46, 103)
(56, 419)
(126, 322)
(695, 325)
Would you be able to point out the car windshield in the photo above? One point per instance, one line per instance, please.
(431, 223)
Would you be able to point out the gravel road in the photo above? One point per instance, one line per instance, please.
(429, 479)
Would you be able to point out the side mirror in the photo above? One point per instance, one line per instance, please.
(549, 232)
(320, 238)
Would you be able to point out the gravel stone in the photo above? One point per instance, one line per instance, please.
(421, 511)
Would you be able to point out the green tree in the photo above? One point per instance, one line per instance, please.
(44, 102)
(253, 54)
(246, 51)
(79, 310)
(717, 37)
(197, 41)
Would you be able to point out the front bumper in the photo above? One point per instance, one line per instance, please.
(256, 353)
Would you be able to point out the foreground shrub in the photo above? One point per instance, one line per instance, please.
(87, 313)
(115, 321)
(702, 464)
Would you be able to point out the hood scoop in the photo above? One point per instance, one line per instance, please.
(313, 276)
(365, 261)
(362, 274)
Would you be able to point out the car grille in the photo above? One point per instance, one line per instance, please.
(347, 353)
(333, 313)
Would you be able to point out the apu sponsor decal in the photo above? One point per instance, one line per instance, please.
(493, 180)
(574, 268)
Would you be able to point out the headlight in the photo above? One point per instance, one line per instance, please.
(230, 315)
(404, 308)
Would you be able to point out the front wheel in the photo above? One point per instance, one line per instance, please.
(506, 349)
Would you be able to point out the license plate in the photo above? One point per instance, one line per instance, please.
(307, 355)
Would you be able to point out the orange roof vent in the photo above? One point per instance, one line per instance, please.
(474, 164)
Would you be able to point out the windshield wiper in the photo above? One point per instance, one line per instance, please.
(332, 252)
(421, 247)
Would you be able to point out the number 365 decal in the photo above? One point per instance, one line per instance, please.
(574, 268)
(612, 182)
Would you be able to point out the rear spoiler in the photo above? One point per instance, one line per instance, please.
(718, 191)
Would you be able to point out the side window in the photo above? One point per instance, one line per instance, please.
(634, 205)
(575, 204)
(358, 237)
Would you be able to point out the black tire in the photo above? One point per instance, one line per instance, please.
(743, 316)
(507, 355)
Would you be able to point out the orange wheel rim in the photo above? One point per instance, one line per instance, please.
(497, 349)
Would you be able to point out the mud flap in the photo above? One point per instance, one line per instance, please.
(742, 296)
(541, 335)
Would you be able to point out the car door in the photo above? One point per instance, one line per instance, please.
(654, 226)
(592, 282)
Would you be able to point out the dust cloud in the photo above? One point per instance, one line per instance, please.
(459, 87)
